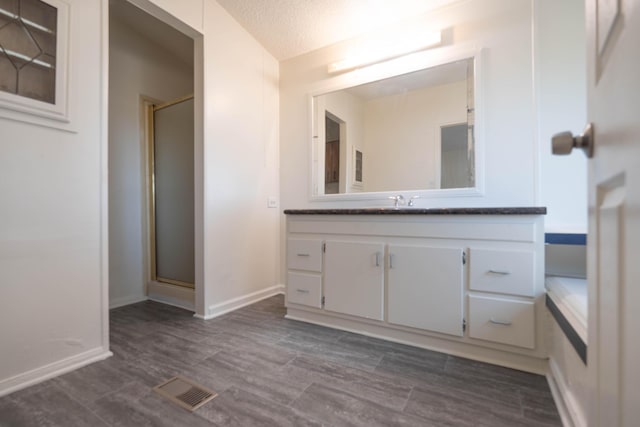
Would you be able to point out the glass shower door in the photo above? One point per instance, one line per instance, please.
(173, 247)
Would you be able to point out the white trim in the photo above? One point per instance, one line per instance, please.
(242, 301)
(174, 302)
(121, 302)
(166, 293)
(28, 110)
(104, 173)
(46, 372)
(522, 362)
(568, 409)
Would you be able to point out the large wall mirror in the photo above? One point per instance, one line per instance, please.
(408, 132)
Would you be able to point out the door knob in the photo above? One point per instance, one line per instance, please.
(564, 142)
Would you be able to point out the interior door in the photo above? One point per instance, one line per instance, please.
(613, 55)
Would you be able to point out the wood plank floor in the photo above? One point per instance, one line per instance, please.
(270, 371)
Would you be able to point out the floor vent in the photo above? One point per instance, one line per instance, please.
(185, 393)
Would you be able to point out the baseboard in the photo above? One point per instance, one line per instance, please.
(239, 302)
(522, 362)
(177, 296)
(121, 302)
(52, 370)
(568, 409)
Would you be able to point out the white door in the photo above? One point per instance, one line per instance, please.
(613, 63)
(354, 278)
(425, 288)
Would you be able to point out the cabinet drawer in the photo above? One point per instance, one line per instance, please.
(502, 320)
(304, 288)
(304, 255)
(507, 272)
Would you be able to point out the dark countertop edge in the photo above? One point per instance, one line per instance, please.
(419, 211)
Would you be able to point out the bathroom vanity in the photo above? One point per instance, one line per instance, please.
(464, 281)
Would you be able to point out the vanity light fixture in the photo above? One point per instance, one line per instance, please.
(387, 50)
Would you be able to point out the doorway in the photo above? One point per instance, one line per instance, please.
(332, 154)
(150, 62)
(456, 162)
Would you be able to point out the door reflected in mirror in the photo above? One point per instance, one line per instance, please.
(409, 132)
(456, 161)
(332, 154)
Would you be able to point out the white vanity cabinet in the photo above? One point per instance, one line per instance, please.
(304, 277)
(467, 284)
(502, 320)
(497, 312)
(354, 278)
(425, 288)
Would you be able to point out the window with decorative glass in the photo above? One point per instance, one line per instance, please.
(28, 38)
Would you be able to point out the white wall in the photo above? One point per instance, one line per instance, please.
(241, 135)
(188, 12)
(53, 247)
(237, 158)
(504, 30)
(560, 79)
(53, 308)
(137, 66)
(561, 105)
(414, 118)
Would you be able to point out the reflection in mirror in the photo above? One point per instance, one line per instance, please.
(332, 154)
(456, 159)
(408, 132)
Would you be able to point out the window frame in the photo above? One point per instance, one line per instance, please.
(21, 108)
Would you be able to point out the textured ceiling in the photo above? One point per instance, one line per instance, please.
(288, 28)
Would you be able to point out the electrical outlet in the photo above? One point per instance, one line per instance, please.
(272, 202)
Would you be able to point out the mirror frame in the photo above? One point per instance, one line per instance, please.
(396, 67)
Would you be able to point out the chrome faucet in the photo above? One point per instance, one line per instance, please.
(412, 199)
(397, 200)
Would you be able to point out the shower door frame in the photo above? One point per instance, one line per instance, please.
(150, 108)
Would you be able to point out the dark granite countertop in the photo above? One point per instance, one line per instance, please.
(533, 210)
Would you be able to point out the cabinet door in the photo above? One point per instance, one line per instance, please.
(426, 287)
(354, 278)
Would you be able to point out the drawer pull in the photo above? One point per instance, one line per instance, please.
(377, 259)
(503, 273)
(302, 291)
(303, 254)
(500, 322)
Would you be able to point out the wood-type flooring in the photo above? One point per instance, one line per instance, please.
(270, 371)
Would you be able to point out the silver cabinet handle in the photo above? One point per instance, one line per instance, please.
(503, 273)
(303, 255)
(302, 291)
(391, 260)
(377, 259)
(500, 322)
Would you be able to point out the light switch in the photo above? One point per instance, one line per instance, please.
(272, 202)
